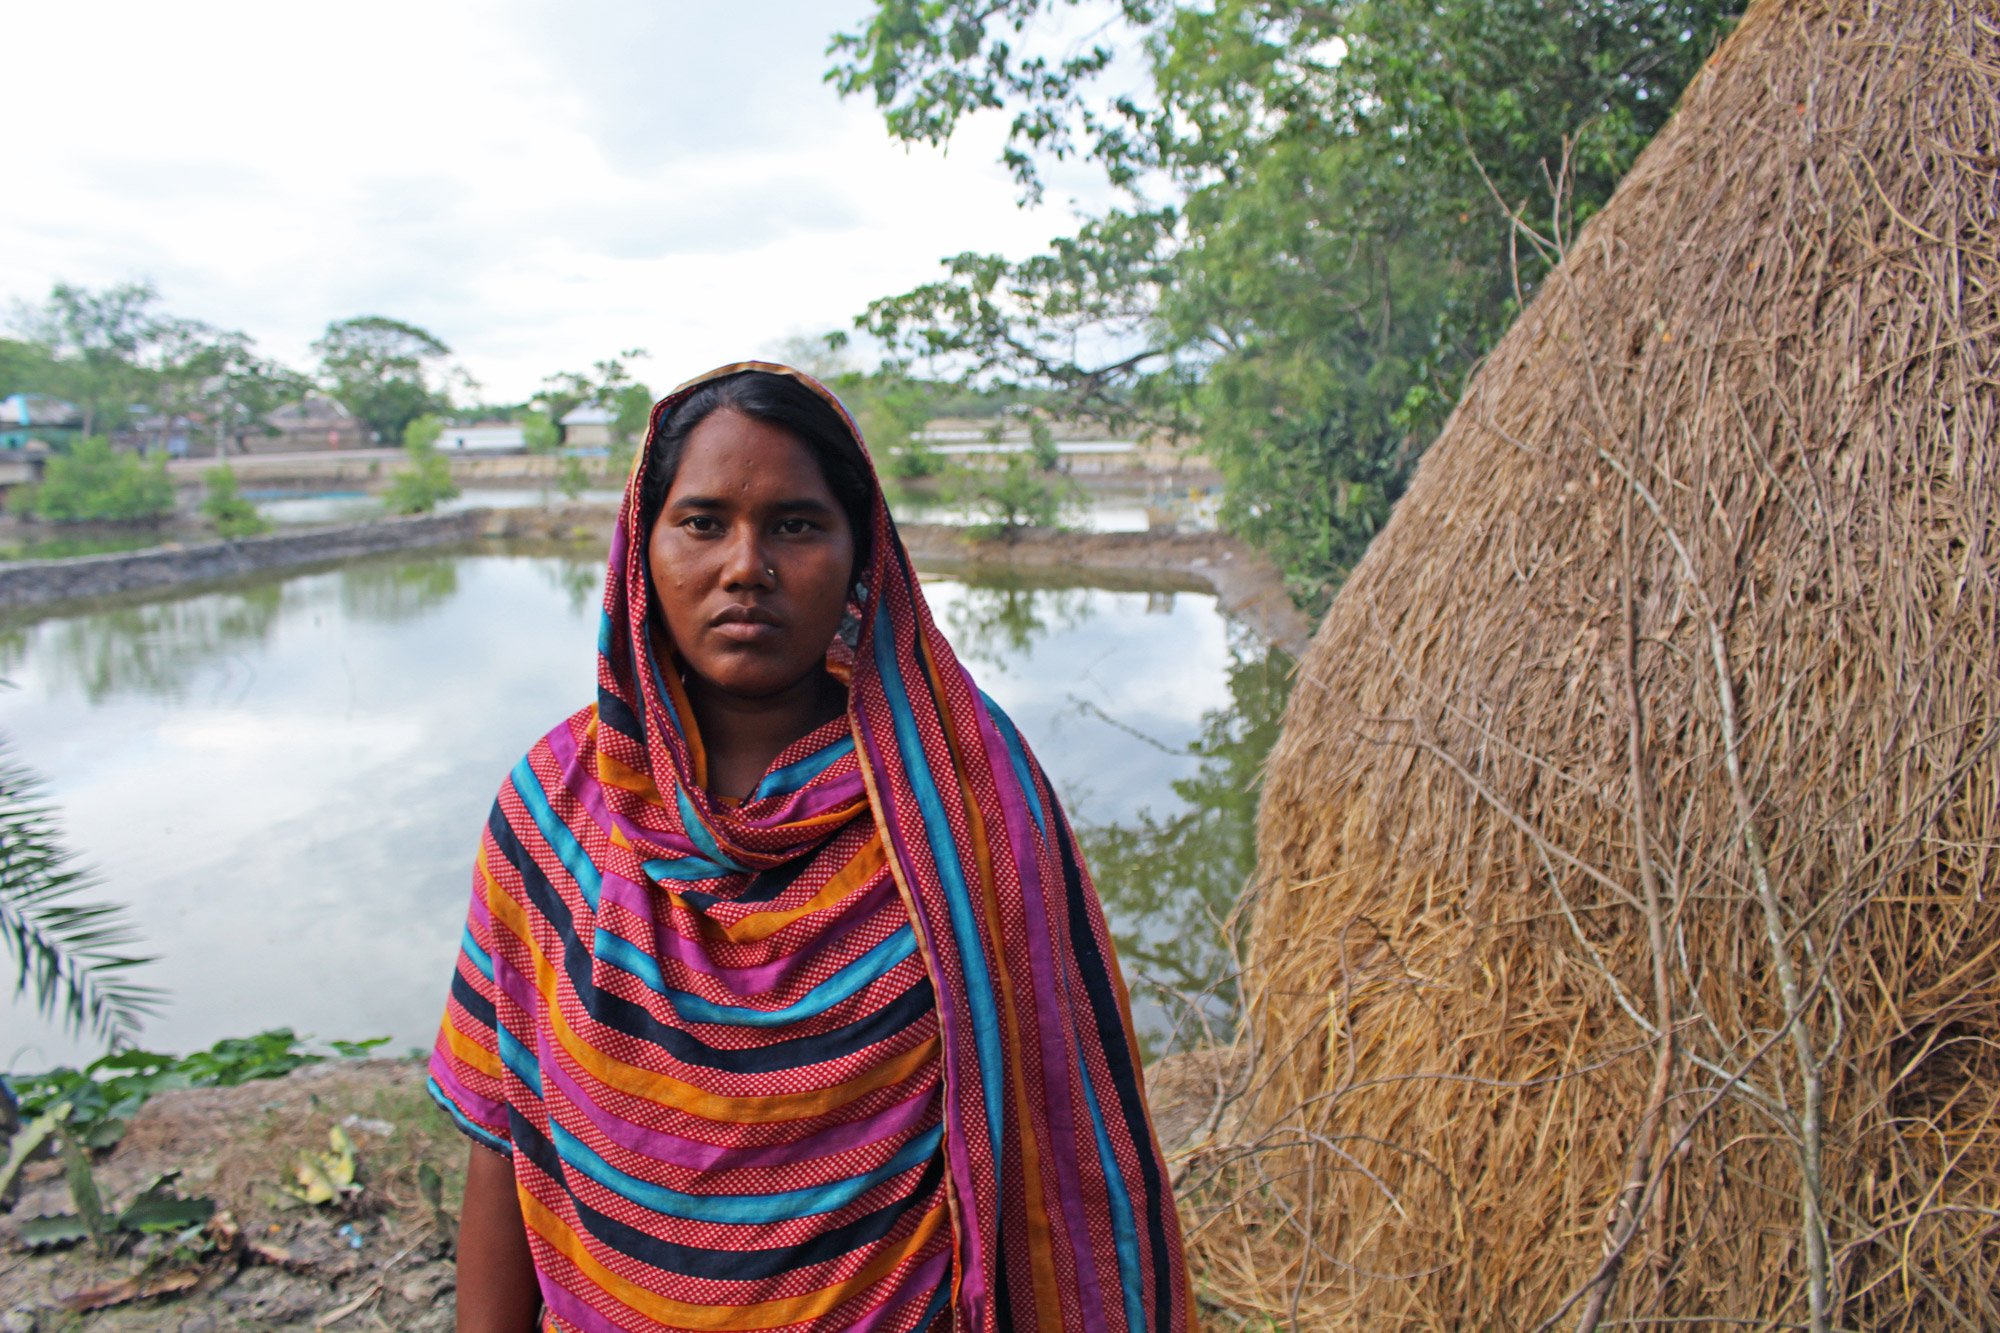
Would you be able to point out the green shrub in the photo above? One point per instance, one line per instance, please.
(571, 477)
(424, 430)
(232, 515)
(418, 488)
(94, 484)
(1013, 497)
(540, 433)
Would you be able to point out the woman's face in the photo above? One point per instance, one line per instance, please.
(751, 557)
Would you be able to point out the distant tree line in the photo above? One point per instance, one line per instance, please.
(1316, 242)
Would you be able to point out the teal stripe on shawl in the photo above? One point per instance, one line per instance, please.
(1017, 756)
(741, 1209)
(480, 958)
(1124, 1227)
(519, 1059)
(556, 833)
(848, 981)
(685, 869)
(472, 1128)
(698, 834)
(971, 942)
(790, 778)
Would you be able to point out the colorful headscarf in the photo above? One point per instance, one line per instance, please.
(831, 1057)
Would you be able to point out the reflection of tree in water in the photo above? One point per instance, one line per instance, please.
(1169, 883)
(392, 593)
(152, 649)
(997, 620)
(581, 581)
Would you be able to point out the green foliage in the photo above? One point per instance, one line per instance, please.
(92, 483)
(540, 433)
(571, 478)
(423, 430)
(68, 951)
(1176, 878)
(1016, 495)
(608, 385)
(890, 409)
(115, 356)
(1338, 250)
(105, 1094)
(419, 487)
(225, 506)
(382, 371)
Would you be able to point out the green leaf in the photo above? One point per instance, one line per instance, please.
(62, 1229)
(83, 1190)
(161, 1207)
(359, 1048)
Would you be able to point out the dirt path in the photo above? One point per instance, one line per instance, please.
(380, 1262)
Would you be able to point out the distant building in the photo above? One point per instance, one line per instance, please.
(486, 437)
(316, 423)
(587, 428)
(28, 418)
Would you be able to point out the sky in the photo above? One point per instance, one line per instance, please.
(541, 185)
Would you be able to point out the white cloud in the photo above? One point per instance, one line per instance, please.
(539, 184)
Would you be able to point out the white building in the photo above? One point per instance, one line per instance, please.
(487, 439)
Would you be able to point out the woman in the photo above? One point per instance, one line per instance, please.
(785, 1001)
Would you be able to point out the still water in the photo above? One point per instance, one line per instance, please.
(286, 779)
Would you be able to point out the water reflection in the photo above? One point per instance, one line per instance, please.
(1170, 879)
(152, 649)
(390, 593)
(999, 618)
(286, 777)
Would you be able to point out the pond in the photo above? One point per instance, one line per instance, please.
(286, 778)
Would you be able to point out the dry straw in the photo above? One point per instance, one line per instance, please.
(1622, 953)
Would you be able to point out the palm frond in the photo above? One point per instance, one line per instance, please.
(68, 951)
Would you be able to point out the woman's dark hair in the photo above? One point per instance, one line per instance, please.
(781, 401)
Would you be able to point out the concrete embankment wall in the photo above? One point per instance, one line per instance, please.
(30, 582)
(1246, 584)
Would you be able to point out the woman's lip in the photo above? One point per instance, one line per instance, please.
(744, 631)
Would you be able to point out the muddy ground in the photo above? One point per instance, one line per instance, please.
(379, 1261)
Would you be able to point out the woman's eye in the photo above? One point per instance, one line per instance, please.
(792, 527)
(700, 523)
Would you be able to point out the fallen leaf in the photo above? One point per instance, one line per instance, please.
(133, 1289)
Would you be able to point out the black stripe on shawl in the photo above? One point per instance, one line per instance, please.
(614, 713)
(475, 1004)
(732, 1265)
(633, 1020)
(1117, 1054)
(766, 886)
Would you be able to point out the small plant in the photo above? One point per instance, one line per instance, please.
(418, 488)
(540, 433)
(571, 477)
(232, 515)
(422, 431)
(94, 484)
(326, 1177)
(1013, 497)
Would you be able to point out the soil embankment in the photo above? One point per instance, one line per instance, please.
(1247, 585)
(380, 1261)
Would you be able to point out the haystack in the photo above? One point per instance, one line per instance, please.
(1623, 950)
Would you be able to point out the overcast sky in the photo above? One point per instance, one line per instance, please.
(540, 184)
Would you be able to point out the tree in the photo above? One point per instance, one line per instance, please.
(94, 484)
(386, 372)
(1335, 249)
(225, 506)
(419, 487)
(98, 350)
